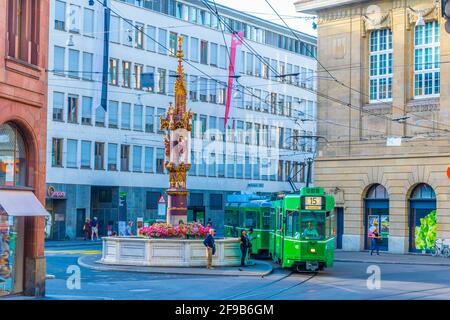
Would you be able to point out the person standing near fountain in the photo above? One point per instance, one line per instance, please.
(210, 248)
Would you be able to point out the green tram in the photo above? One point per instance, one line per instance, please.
(296, 230)
(245, 211)
(302, 230)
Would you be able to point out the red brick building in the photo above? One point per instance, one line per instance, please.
(23, 123)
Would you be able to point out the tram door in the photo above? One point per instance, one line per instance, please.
(279, 234)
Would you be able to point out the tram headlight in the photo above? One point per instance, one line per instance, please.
(313, 250)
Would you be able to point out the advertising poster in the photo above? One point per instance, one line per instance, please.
(384, 231)
(7, 252)
(371, 225)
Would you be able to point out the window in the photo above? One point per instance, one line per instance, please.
(137, 158)
(13, 160)
(221, 96)
(86, 154)
(113, 72)
(149, 82)
(86, 112)
(193, 85)
(249, 64)
(74, 18)
(240, 62)
(99, 156)
(71, 153)
(171, 85)
(273, 103)
(126, 116)
(58, 106)
(194, 49)
(74, 56)
(137, 117)
(280, 138)
(427, 60)
(149, 119)
(72, 109)
(58, 60)
(99, 116)
(150, 38)
(380, 60)
(265, 68)
(125, 157)
(139, 35)
(223, 57)
(213, 57)
(127, 35)
(57, 152)
(87, 66)
(114, 33)
(126, 70)
(88, 22)
(215, 201)
(162, 39)
(203, 90)
(204, 52)
(212, 165)
(203, 125)
(152, 199)
(60, 15)
(148, 166)
(230, 166)
(160, 160)
(112, 156)
(161, 81)
(113, 114)
(257, 95)
(193, 14)
(137, 75)
(173, 39)
(281, 104)
(212, 91)
(160, 112)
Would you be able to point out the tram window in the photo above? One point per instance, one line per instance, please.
(251, 219)
(312, 226)
(232, 218)
(265, 220)
(292, 224)
(272, 219)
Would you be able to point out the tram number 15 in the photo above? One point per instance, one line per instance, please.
(313, 203)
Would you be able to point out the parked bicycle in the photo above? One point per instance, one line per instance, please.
(440, 249)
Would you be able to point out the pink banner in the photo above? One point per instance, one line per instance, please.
(236, 40)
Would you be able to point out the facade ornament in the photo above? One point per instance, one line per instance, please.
(374, 20)
(428, 14)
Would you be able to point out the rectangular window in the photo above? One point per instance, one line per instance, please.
(99, 158)
(57, 152)
(88, 22)
(60, 15)
(148, 166)
(249, 64)
(137, 117)
(203, 89)
(173, 39)
(126, 74)
(152, 199)
(212, 165)
(127, 32)
(87, 66)
(160, 112)
(162, 39)
(171, 85)
(74, 57)
(139, 35)
(112, 157)
(213, 54)
(194, 49)
(126, 116)
(161, 81)
(149, 119)
(114, 33)
(427, 60)
(72, 109)
(100, 116)
(74, 18)
(137, 158)
(58, 106)
(85, 154)
(71, 161)
(223, 56)
(193, 88)
(137, 75)
(113, 114)
(58, 60)
(204, 52)
(151, 38)
(215, 201)
(380, 65)
(86, 112)
(212, 91)
(124, 157)
(113, 71)
(160, 161)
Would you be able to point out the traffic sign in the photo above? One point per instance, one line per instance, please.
(162, 200)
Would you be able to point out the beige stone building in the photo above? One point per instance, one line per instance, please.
(384, 107)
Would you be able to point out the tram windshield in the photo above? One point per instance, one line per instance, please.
(232, 218)
(251, 219)
(312, 225)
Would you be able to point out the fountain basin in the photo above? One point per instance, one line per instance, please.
(137, 251)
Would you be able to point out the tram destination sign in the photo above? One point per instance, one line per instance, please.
(313, 203)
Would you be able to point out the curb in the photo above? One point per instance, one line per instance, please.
(174, 270)
(66, 244)
(393, 262)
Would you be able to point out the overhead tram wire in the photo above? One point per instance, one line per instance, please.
(350, 87)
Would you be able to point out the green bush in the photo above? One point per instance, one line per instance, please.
(425, 234)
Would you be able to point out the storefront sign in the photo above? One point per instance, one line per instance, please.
(53, 193)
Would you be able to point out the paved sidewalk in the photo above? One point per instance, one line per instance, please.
(70, 243)
(389, 258)
(259, 268)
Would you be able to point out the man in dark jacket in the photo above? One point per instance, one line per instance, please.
(210, 247)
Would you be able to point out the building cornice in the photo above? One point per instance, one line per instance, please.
(314, 6)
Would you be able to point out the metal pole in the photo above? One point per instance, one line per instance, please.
(308, 174)
(104, 97)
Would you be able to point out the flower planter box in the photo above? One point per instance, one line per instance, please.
(136, 251)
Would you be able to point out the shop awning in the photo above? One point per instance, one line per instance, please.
(21, 203)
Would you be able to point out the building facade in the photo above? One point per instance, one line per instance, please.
(385, 64)
(111, 164)
(23, 114)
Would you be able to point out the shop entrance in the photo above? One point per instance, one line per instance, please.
(339, 227)
(422, 219)
(57, 210)
(81, 218)
(377, 216)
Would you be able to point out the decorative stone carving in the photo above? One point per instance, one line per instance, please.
(374, 19)
(428, 14)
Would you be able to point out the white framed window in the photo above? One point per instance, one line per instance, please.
(380, 65)
(427, 78)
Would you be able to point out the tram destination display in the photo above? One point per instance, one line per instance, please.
(313, 203)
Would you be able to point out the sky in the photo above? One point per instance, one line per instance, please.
(262, 10)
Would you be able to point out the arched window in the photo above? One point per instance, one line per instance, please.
(377, 191)
(423, 191)
(12, 156)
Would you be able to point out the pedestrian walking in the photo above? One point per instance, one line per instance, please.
(209, 223)
(94, 228)
(130, 228)
(375, 240)
(87, 229)
(244, 246)
(250, 239)
(210, 248)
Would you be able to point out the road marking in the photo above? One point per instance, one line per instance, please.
(73, 251)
